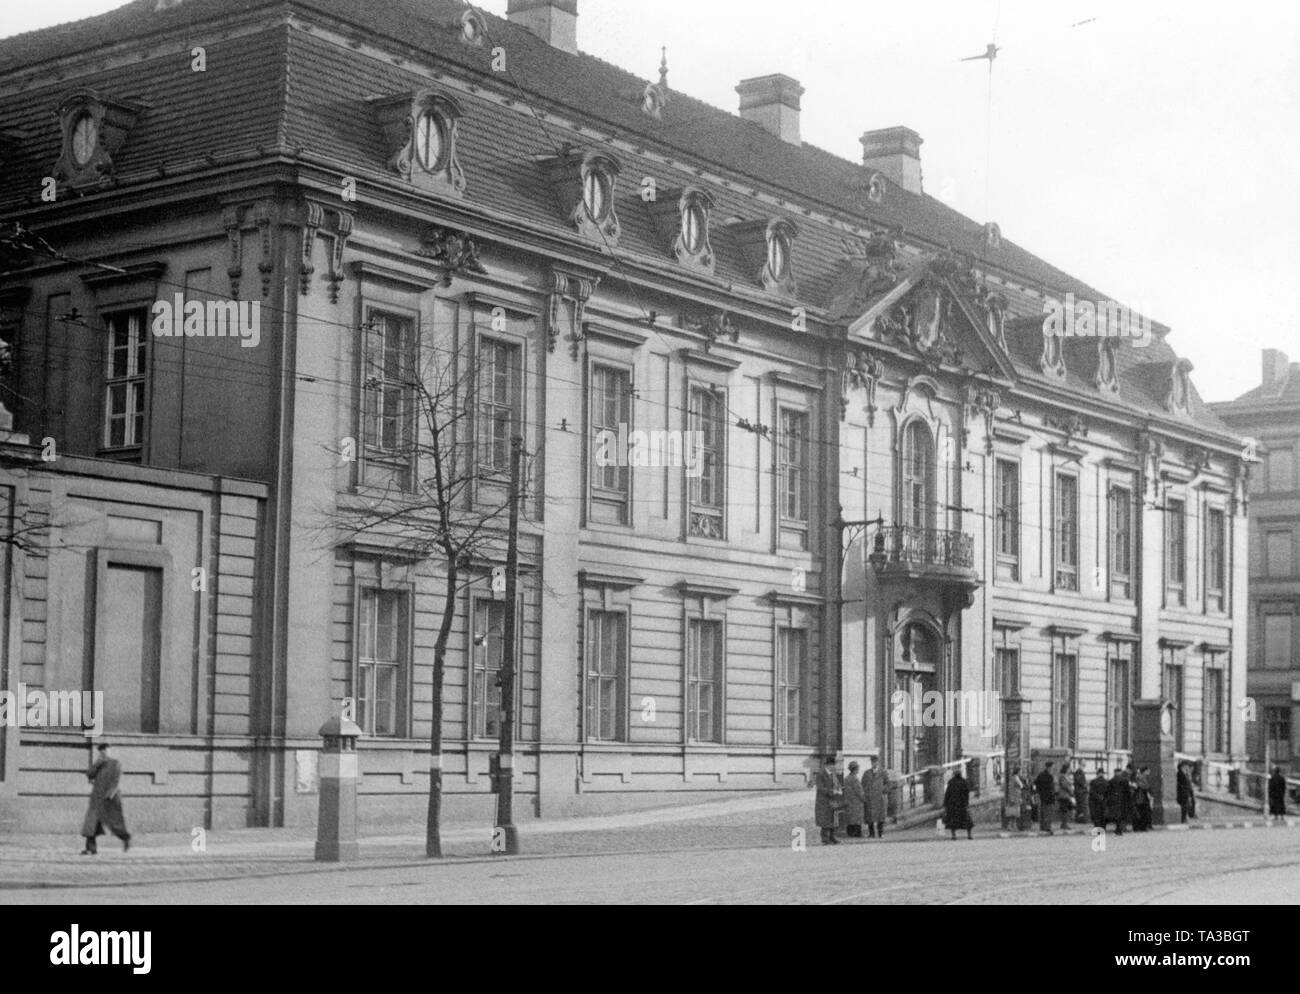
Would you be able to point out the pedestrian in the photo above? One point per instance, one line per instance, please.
(873, 798)
(1119, 800)
(1065, 795)
(1097, 798)
(1014, 803)
(1142, 820)
(105, 809)
(1045, 787)
(829, 796)
(956, 805)
(1185, 795)
(1080, 794)
(1277, 794)
(854, 803)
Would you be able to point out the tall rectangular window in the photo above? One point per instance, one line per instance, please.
(489, 656)
(1121, 542)
(125, 379)
(1216, 559)
(1007, 518)
(1064, 709)
(792, 686)
(1175, 552)
(704, 676)
(708, 488)
(611, 421)
(1214, 710)
(382, 660)
(1119, 688)
(1006, 670)
(1067, 532)
(606, 676)
(793, 465)
(1278, 546)
(500, 394)
(1277, 641)
(1173, 690)
(389, 385)
(1277, 733)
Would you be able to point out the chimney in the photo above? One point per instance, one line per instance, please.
(895, 153)
(1276, 366)
(554, 21)
(773, 102)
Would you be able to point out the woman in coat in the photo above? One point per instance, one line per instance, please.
(105, 807)
(956, 805)
(827, 806)
(854, 802)
(873, 799)
(1097, 798)
(1013, 809)
(1065, 794)
(1277, 794)
(1081, 810)
(1142, 819)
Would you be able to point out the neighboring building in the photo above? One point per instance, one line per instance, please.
(1269, 416)
(1062, 518)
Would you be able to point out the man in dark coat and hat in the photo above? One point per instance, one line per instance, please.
(829, 797)
(1045, 785)
(956, 805)
(1119, 800)
(1081, 810)
(1277, 794)
(1185, 795)
(854, 801)
(1097, 798)
(873, 799)
(105, 808)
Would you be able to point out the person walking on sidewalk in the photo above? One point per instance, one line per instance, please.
(956, 805)
(1045, 785)
(854, 801)
(829, 796)
(1065, 795)
(1080, 795)
(1185, 795)
(1097, 798)
(105, 775)
(1277, 794)
(873, 797)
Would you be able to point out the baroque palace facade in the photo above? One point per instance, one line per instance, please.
(895, 480)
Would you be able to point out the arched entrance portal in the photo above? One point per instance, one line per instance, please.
(919, 656)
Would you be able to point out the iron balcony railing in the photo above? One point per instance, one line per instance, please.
(908, 545)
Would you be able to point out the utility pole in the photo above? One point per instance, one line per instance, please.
(509, 843)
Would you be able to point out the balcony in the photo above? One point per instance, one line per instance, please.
(906, 552)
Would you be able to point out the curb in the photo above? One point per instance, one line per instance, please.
(1287, 822)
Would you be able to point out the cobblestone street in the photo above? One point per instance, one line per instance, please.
(742, 852)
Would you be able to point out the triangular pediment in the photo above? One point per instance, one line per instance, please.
(934, 309)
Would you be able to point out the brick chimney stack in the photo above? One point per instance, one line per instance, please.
(896, 154)
(554, 21)
(1276, 366)
(773, 102)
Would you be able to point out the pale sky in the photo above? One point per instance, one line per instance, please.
(1152, 152)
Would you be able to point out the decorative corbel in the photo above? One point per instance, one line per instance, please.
(232, 219)
(861, 372)
(264, 214)
(580, 289)
(313, 216)
(559, 288)
(342, 231)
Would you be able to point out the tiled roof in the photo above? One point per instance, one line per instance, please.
(1285, 390)
(291, 86)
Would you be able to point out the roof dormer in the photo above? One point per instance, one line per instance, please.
(94, 128)
(420, 133)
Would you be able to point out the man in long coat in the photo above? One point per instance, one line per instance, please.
(105, 808)
(1119, 800)
(1097, 798)
(1277, 794)
(854, 802)
(1082, 809)
(956, 805)
(873, 799)
(1185, 795)
(1045, 786)
(830, 793)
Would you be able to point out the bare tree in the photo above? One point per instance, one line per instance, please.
(442, 507)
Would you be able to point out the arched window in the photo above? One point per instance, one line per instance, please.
(917, 490)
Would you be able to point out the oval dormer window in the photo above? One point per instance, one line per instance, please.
(85, 135)
(778, 255)
(430, 141)
(596, 195)
(693, 222)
